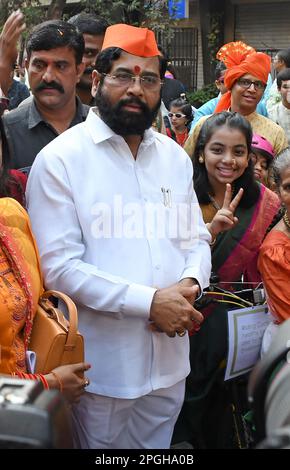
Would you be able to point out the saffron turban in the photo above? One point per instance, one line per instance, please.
(240, 60)
(136, 41)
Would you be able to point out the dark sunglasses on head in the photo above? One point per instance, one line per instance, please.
(177, 115)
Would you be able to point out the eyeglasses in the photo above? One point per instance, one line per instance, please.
(123, 79)
(221, 81)
(177, 115)
(244, 83)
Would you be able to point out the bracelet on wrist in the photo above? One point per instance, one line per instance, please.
(56, 376)
(42, 379)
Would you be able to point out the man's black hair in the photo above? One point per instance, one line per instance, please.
(87, 23)
(106, 58)
(284, 55)
(220, 67)
(283, 75)
(53, 34)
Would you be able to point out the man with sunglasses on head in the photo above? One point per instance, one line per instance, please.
(129, 247)
(246, 80)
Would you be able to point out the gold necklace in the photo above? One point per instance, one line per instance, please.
(218, 207)
(214, 203)
(286, 221)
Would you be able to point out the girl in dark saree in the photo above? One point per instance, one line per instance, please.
(221, 164)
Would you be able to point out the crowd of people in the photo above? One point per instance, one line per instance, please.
(117, 192)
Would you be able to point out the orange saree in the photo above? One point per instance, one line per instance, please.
(20, 285)
(274, 266)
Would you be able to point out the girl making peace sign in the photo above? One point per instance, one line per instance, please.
(238, 211)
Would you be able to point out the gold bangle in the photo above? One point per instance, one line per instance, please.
(58, 380)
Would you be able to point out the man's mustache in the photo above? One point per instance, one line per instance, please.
(133, 101)
(52, 85)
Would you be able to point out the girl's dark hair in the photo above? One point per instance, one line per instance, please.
(184, 107)
(276, 219)
(246, 180)
(7, 181)
(105, 59)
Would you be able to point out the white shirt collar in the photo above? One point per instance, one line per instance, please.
(100, 131)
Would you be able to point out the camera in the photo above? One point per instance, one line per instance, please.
(32, 418)
(269, 393)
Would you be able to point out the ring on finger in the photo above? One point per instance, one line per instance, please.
(181, 333)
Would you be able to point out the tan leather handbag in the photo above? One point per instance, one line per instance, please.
(55, 340)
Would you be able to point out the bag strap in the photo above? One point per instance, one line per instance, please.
(73, 316)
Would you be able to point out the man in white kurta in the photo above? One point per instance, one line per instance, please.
(119, 229)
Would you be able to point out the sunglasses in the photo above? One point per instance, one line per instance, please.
(177, 115)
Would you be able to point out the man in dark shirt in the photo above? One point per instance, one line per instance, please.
(54, 65)
(17, 93)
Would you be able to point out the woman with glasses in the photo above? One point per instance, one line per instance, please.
(180, 117)
(245, 79)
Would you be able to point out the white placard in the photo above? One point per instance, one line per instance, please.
(246, 327)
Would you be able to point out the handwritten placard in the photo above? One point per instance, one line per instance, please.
(246, 328)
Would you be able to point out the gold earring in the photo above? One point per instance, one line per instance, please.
(201, 159)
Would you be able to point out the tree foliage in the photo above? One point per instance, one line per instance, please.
(147, 13)
(151, 13)
(34, 11)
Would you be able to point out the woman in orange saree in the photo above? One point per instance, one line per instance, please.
(274, 256)
(20, 288)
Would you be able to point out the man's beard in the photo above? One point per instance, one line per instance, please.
(124, 122)
(86, 80)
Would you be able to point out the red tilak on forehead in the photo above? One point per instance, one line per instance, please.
(137, 69)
